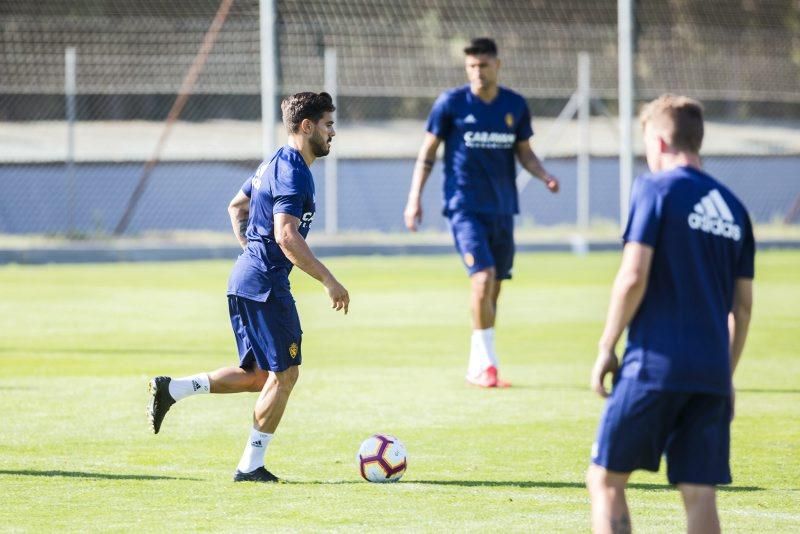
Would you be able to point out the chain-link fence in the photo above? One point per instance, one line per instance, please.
(134, 59)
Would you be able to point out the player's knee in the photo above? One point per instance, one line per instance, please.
(483, 283)
(697, 495)
(593, 478)
(288, 378)
(599, 479)
(258, 379)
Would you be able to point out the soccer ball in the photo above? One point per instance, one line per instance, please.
(382, 458)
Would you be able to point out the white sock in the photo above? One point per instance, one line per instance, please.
(253, 455)
(490, 350)
(181, 388)
(482, 354)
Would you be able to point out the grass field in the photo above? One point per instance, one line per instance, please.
(78, 344)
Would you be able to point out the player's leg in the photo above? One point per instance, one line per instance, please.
(222, 380)
(237, 379)
(633, 432)
(698, 458)
(501, 244)
(482, 368)
(609, 508)
(482, 298)
(274, 331)
(483, 364)
(701, 508)
(495, 298)
(493, 371)
(273, 399)
(166, 391)
(471, 240)
(248, 376)
(266, 416)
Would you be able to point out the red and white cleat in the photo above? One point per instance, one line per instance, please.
(488, 379)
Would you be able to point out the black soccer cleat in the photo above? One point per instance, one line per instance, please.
(258, 475)
(160, 401)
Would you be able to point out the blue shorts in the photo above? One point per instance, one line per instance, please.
(483, 241)
(267, 333)
(692, 430)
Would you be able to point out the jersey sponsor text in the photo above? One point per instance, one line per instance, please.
(489, 139)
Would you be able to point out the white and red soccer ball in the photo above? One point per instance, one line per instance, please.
(382, 458)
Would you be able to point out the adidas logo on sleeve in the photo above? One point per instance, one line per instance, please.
(713, 216)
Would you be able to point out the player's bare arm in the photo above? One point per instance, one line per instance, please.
(531, 163)
(297, 250)
(422, 171)
(239, 212)
(626, 296)
(739, 322)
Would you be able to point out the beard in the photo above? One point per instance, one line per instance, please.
(319, 145)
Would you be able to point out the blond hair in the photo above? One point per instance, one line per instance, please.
(678, 118)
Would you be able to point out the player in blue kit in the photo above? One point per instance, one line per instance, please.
(271, 217)
(484, 126)
(684, 291)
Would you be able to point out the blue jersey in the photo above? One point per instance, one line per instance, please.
(282, 185)
(479, 137)
(703, 241)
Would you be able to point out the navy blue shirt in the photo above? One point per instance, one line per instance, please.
(479, 137)
(282, 185)
(702, 242)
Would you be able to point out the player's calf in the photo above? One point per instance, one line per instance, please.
(609, 508)
(700, 502)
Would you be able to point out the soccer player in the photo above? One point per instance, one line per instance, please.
(684, 290)
(483, 126)
(271, 216)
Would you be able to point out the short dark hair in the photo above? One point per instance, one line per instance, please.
(306, 105)
(481, 45)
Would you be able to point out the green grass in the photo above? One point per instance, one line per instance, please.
(78, 344)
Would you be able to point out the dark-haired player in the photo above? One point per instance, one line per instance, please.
(484, 126)
(684, 290)
(271, 217)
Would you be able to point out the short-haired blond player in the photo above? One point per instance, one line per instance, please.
(684, 291)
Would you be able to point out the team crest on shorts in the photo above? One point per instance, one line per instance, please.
(293, 348)
(509, 120)
(469, 259)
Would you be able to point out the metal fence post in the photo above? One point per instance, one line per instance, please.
(584, 92)
(70, 87)
(331, 163)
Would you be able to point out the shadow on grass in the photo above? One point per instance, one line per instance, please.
(523, 484)
(768, 390)
(576, 387)
(557, 485)
(563, 387)
(110, 350)
(83, 474)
